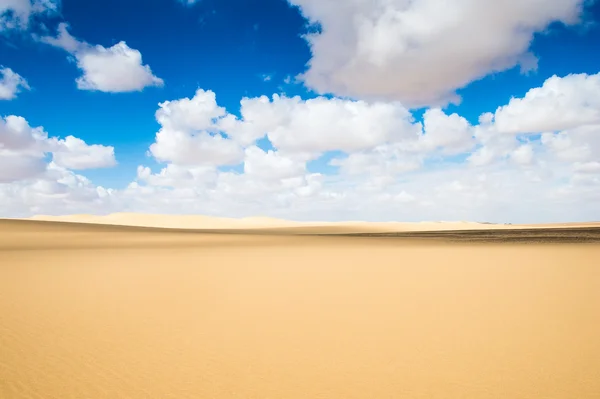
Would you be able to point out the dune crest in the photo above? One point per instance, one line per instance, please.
(260, 222)
(254, 222)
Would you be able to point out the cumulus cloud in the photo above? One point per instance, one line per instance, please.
(450, 134)
(16, 14)
(386, 164)
(564, 112)
(560, 104)
(114, 69)
(200, 148)
(57, 191)
(574, 145)
(421, 51)
(36, 173)
(74, 153)
(358, 155)
(383, 162)
(11, 84)
(198, 113)
(178, 176)
(523, 155)
(271, 165)
(389, 165)
(588, 167)
(15, 167)
(319, 125)
(189, 135)
(23, 151)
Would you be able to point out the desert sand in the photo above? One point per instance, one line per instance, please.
(211, 222)
(271, 310)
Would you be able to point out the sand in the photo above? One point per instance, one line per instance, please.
(93, 311)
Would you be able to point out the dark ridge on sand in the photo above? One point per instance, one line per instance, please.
(549, 235)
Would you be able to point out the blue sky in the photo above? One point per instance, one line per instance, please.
(226, 47)
(237, 49)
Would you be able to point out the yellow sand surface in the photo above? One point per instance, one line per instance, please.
(91, 311)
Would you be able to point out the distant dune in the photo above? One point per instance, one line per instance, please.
(211, 222)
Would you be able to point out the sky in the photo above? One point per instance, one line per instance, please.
(375, 110)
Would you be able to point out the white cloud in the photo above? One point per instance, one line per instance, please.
(535, 159)
(189, 133)
(65, 40)
(178, 176)
(386, 172)
(198, 113)
(387, 160)
(483, 156)
(74, 153)
(30, 183)
(421, 51)
(451, 134)
(16, 135)
(14, 167)
(318, 125)
(492, 144)
(258, 117)
(271, 165)
(575, 145)
(523, 155)
(115, 69)
(11, 84)
(565, 111)
(195, 148)
(56, 191)
(588, 167)
(560, 104)
(390, 167)
(23, 151)
(16, 14)
(247, 190)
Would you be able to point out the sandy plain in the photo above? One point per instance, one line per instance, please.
(287, 311)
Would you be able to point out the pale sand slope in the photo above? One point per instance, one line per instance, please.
(208, 222)
(106, 312)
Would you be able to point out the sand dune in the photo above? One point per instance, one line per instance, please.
(96, 311)
(209, 222)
